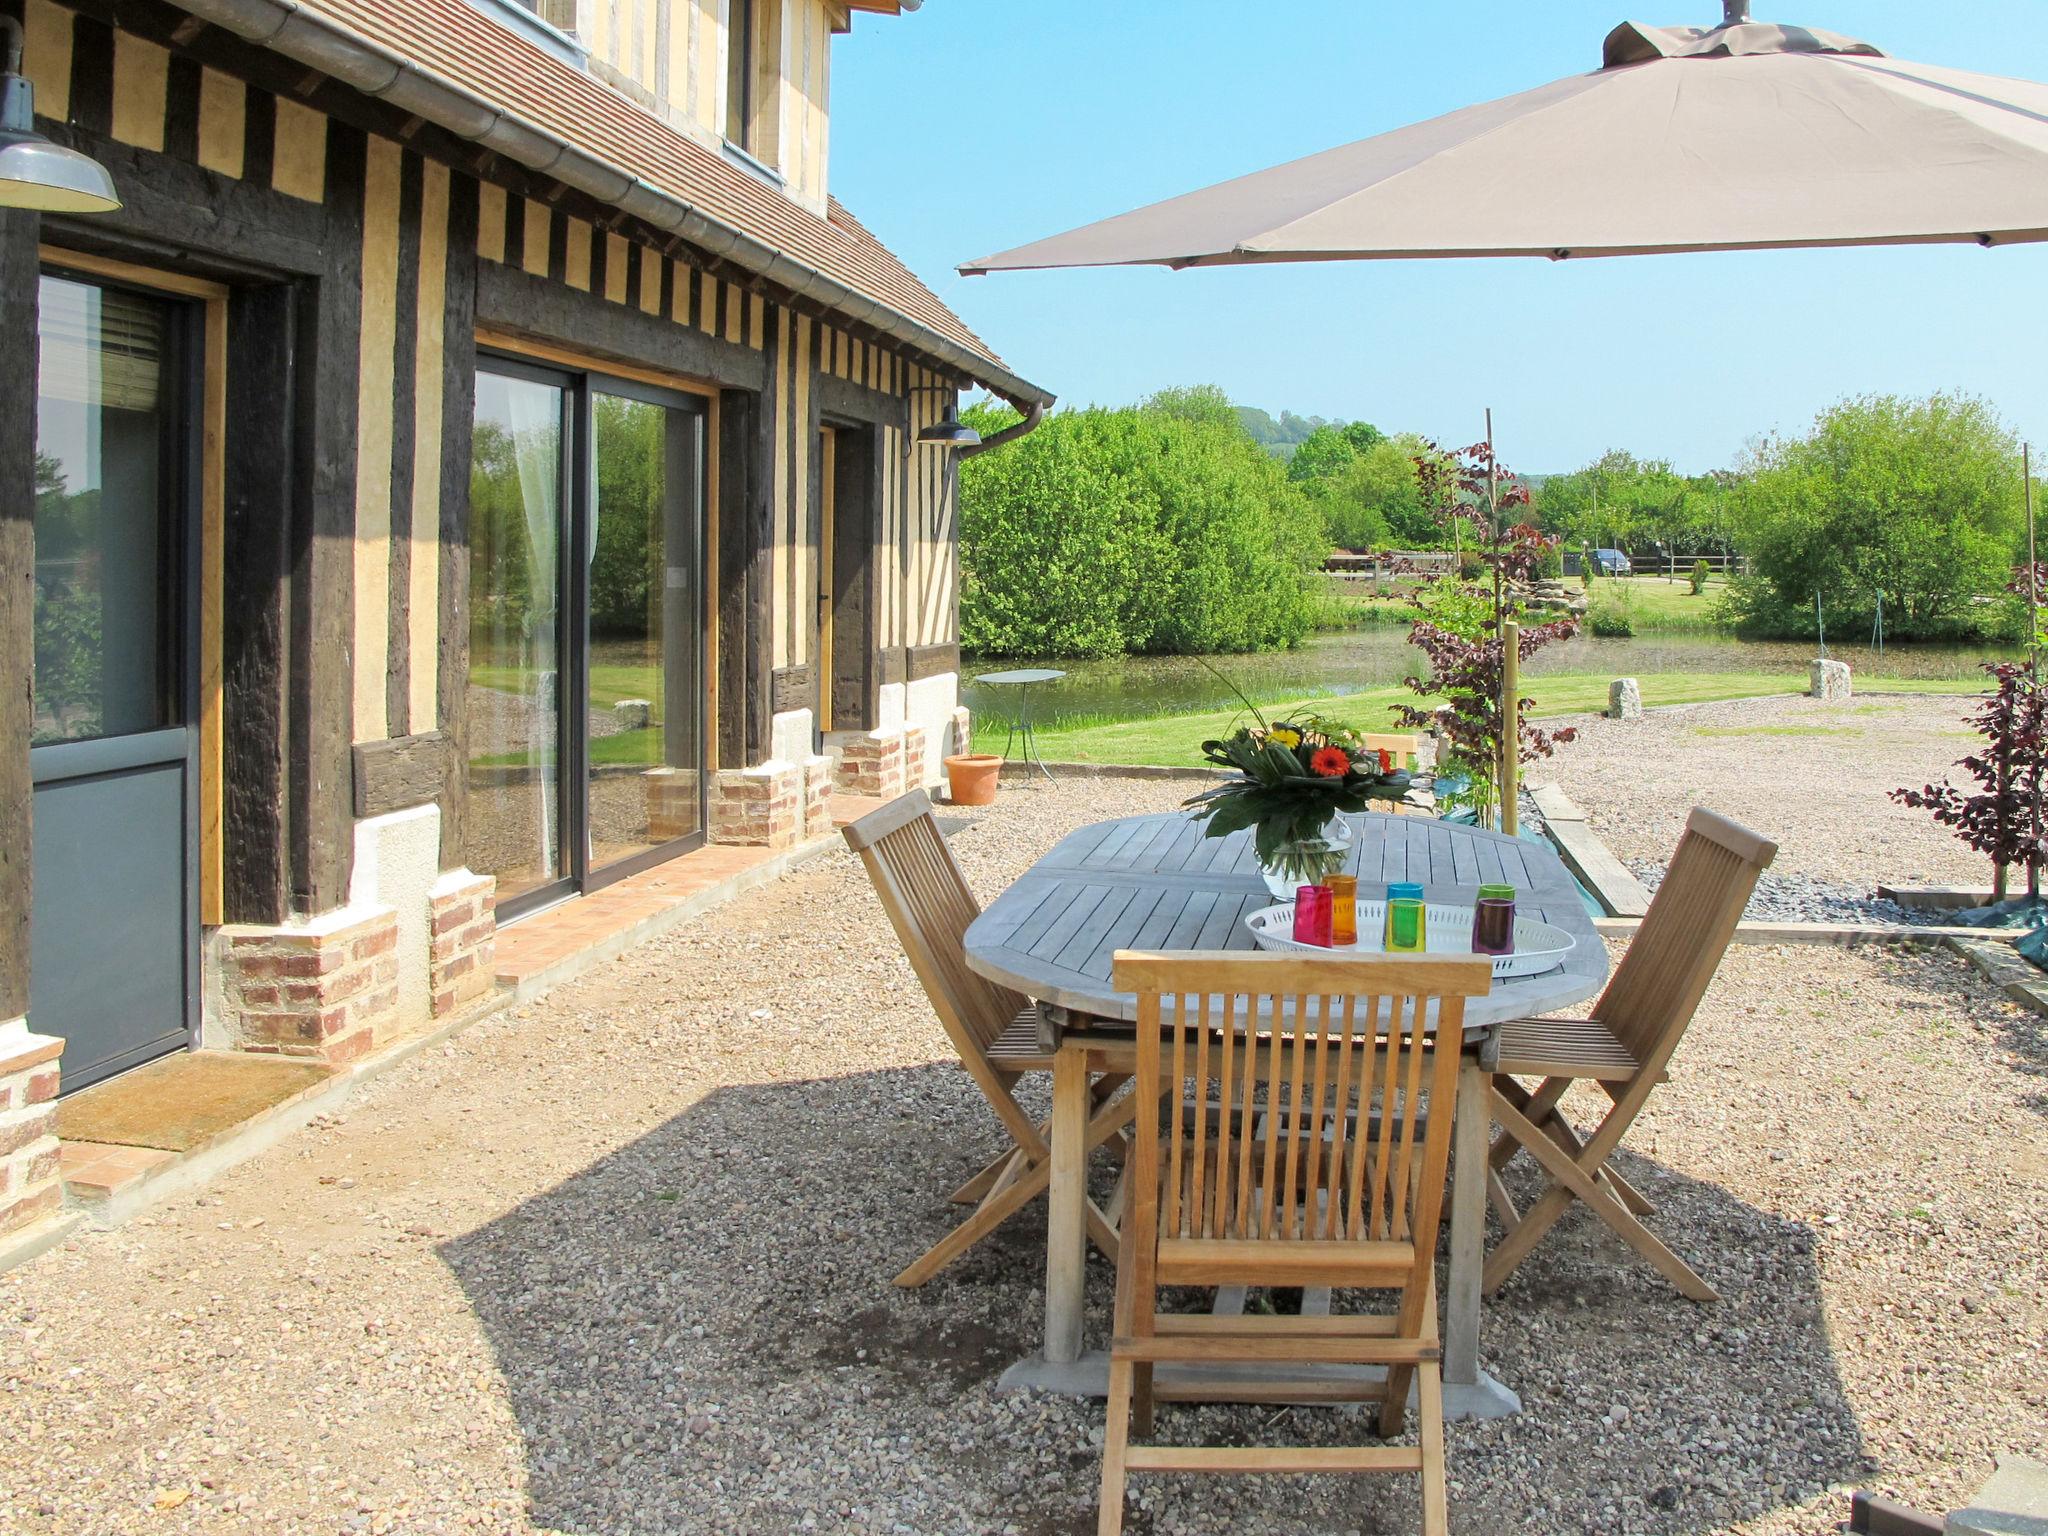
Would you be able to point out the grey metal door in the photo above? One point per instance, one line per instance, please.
(113, 938)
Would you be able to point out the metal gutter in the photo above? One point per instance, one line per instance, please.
(1032, 417)
(299, 32)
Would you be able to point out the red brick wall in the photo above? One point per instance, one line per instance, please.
(464, 933)
(29, 1186)
(326, 992)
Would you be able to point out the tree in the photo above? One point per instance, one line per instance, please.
(1114, 531)
(2003, 821)
(1915, 503)
(1464, 635)
(1332, 448)
(1204, 403)
(1375, 500)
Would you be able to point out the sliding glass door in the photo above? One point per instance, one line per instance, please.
(586, 630)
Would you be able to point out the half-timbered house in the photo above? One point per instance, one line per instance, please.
(480, 460)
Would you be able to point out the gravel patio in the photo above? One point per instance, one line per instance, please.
(618, 1262)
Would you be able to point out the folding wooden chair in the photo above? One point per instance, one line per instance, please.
(1320, 1163)
(994, 1030)
(1625, 1046)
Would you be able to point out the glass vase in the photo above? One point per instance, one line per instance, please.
(1308, 860)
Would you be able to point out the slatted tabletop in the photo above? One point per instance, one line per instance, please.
(1155, 882)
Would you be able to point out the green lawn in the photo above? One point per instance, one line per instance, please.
(1655, 605)
(1175, 740)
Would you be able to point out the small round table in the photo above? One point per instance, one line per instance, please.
(1023, 679)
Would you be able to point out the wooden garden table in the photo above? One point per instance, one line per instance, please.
(1155, 882)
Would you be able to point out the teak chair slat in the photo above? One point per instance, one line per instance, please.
(993, 1030)
(1293, 1128)
(1625, 1045)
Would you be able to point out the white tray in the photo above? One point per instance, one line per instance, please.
(1539, 947)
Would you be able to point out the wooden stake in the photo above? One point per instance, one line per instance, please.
(1510, 726)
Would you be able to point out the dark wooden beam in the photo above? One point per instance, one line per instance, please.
(401, 773)
(508, 299)
(323, 563)
(848, 401)
(458, 421)
(257, 556)
(736, 678)
(18, 234)
(933, 660)
(794, 688)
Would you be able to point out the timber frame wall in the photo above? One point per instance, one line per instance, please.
(362, 254)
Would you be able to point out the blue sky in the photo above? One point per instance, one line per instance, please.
(975, 125)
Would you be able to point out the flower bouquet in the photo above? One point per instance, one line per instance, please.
(1295, 776)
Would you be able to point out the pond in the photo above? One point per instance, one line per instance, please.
(1133, 687)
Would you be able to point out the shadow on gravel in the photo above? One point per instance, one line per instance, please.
(699, 1334)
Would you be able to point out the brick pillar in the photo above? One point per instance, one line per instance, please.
(462, 928)
(29, 1186)
(327, 989)
(817, 810)
(916, 770)
(873, 765)
(757, 806)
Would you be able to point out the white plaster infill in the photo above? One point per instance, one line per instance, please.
(398, 865)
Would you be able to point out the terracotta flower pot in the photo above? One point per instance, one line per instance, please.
(972, 777)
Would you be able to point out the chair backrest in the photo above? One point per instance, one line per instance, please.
(929, 905)
(1332, 1109)
(1401, 746)
(1656, 989)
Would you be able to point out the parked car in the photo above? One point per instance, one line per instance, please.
(1612, 562)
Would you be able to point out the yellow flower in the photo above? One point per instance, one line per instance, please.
(1286, 735)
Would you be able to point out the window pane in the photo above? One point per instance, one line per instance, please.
(106, 566)
(644, 637)
(512, 819)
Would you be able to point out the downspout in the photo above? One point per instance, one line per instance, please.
(300, 32)
(1034, 414)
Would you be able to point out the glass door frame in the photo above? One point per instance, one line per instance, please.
(183, 469)
(579, 386)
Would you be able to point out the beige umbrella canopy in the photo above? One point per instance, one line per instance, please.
(1742, 136)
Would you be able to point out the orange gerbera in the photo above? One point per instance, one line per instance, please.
(1330, 762)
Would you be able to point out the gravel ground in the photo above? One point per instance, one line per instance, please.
(1812, 776)
(618, 1262)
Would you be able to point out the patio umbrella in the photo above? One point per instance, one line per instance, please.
(1744, 136)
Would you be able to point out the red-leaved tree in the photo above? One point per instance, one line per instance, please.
(2003, 820)
(1470, 492)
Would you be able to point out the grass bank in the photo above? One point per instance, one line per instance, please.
(1175, 740)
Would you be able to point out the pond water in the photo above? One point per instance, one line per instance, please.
(1133, 687)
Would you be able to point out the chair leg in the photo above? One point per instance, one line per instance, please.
(1116, 1438)
(1394, 1400)
(1571, 1181)
(1141, 1401)
(974, 1189)
(1429, 1410)
(1503, 1202)
(998, 1208)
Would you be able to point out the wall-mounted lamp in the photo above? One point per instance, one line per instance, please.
(34, 173)
(949, 431)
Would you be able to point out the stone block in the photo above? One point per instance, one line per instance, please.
(2013, 1503)
(1828, 681)
(633, 714)
(1624, 699)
